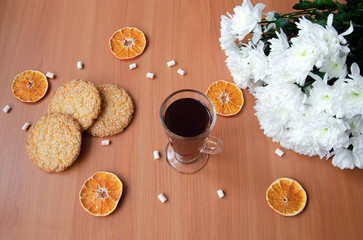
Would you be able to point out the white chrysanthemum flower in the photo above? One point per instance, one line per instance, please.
(313, 33)
(236, 63)
(324, 119)
(275, 105)
(278, 60)
(257, 33)
(356, 142)
(248, 66)
(279, 44)
(321, 96)
(270, 16)
(352, 90)
(356, 125)
(301, 142)
(227, 38)
(358, 158)
(256, 60)
(334, 36)
(301, 58)
(328, 131)
(353, 98)
(335, 69)
(355, 72)
(345, 158)
(330, 47)
(308, 28)
(246, 18)
(316, 134)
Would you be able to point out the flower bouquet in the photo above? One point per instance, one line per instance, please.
(303, 69)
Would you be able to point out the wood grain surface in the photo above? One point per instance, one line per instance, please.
(52, 35)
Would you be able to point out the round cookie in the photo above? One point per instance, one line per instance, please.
(78, 99)
(54, 142)
(116, 111)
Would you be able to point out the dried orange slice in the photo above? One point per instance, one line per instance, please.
(101, 193)
(30, 86)
(127, 43)
(286, 196)
(226, 97)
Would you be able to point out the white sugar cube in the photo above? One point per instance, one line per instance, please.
(6, 109)
(220, 193)
(79, 65)
(162, 198)
(150, 75)
(171, 63)
(26, 126)
(279, 152)
(132, 66)
(105, 142)
(181, 72)
(156, 155)
(49, 75)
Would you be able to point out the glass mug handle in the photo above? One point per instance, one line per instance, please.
(212, 145)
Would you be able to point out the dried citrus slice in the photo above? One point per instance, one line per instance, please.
(286, 196)
(101, 193)
(226, 97)
(30, 86)
(127, 43)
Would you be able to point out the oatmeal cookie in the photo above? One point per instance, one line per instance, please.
(78, 99)
(116, 111)
(54, 142)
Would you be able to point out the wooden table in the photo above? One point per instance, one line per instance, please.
(54, 35)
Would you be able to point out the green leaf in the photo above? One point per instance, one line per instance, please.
(281, 23)
(322, 22)
(302, 5)
(319, 4)
(325, 3)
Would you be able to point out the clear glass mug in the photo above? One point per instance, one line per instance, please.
(189, 154)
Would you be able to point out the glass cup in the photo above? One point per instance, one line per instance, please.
(189, 154)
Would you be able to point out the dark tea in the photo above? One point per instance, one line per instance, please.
(187, 117)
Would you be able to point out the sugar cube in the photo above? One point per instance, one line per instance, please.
(26, 126)
(49, 75)
(150, 75)
(79, 65)
(181, 72)
(132, 66)
(220, 193)
(279, 152)
(162, 198)
(171, 63)
(156, 155)
(6, 109)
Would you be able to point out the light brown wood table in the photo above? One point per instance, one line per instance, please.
(51, 36)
